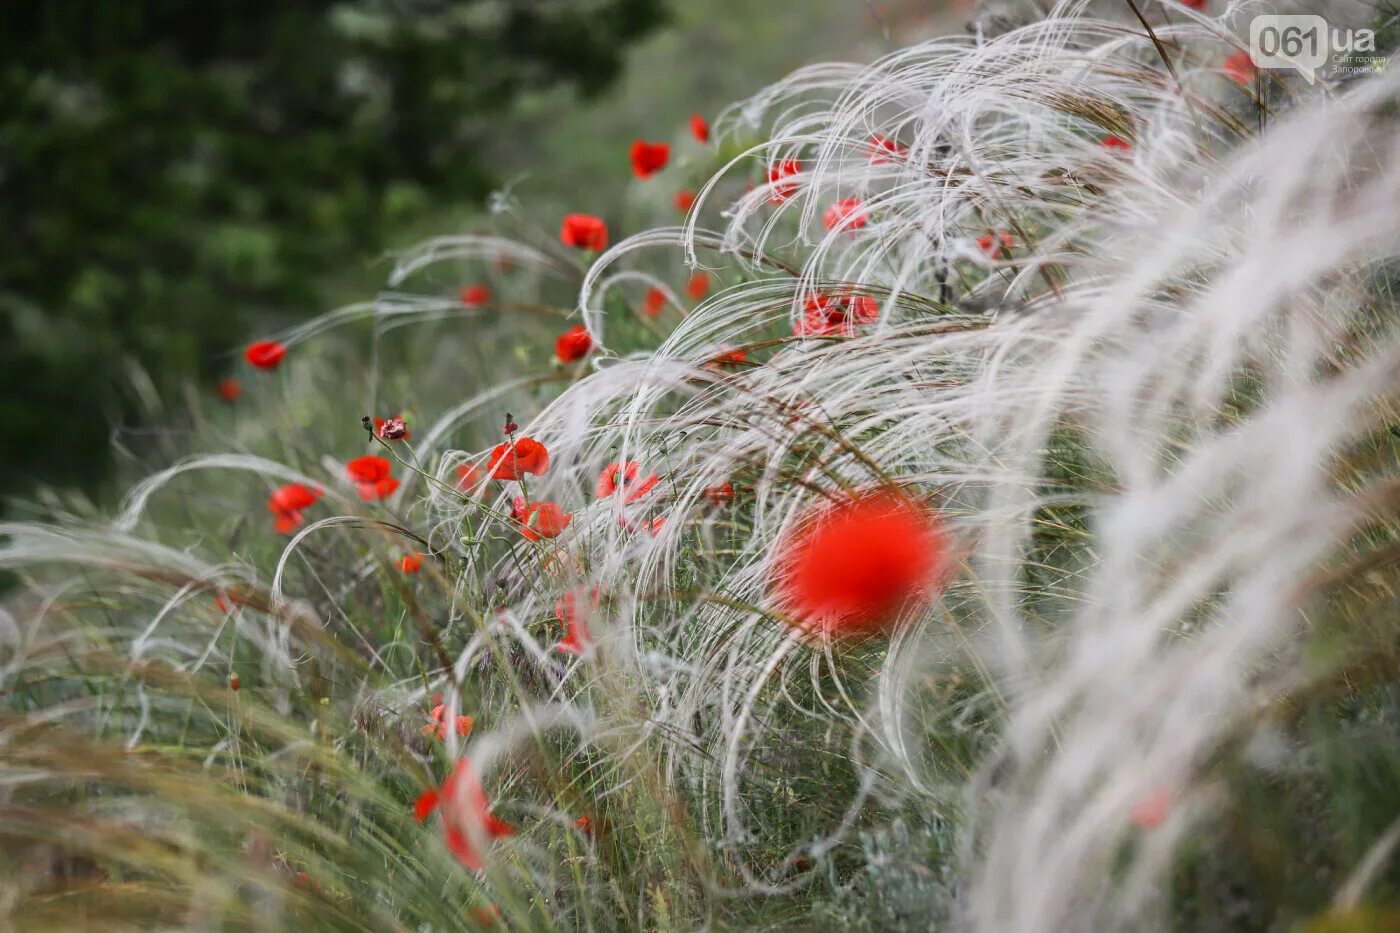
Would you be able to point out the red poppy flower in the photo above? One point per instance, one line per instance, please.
(728, 358)
(654, 302)
(882, 147)
(370, 474)
(835, 316)
(584, 231)
(655, 525)
(1195, 4)
(230, 389)
(845, 214)
(1115, 143)
(720, 495)
(265, 354)
(623, 477)
(992, 244)
(467, 819)
(288, 502)
(474, 296)
(567, 609)
(573, 344)
(648, 158)
(539, 519)
(784, 169)
(234, 682)
(484, 916)
(1152, 810)
(512, 460)
(685, 199)
(698, 285)
(439, 728)
(1240, 67)
(699, 128)
(584, 823)
(851, 566)
(392, 428)
(470, 478)
(412, 562)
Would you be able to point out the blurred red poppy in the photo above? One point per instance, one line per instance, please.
(370, 474)
(845, 214)
(722, 494)
(466, 817)
(699, 128)
(265, 354)
(1115, 143)
(470, 478)
(851, 565)
(882, 147)
(230, 389)
(574, 611)
(698, 285)
(835, 315)
(685, 199)
(728, 358)
(654, 302)
(412, 562)
(474, 296)
(1240, 67)
(573, 344)
(993, 244)
(438, 726)
(584, 231)
(288, 502)
(512, 460)
(784, 169)
(622, 477)
(648, 158)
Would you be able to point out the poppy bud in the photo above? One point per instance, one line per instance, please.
(233, 682)
(367, 423)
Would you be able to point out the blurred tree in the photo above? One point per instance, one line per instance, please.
(168, 169)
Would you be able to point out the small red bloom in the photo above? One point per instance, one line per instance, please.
(511, 460)
(1115, 143)
(540, 519)
(288, 502)
(474, 296)
(470, 478)
(370, 474)
(845, 214)
(567, 610)
(412, 562)
(265, 354)
(720, 495)
(835, 316)
(438, 727)
(1152, 810)
(234, 683)
(698, 285)
(573, 344)
(484, 916)
(584, 231)
(992, 244)
(654, 302)
(699, 128)
(466, 817)
(623, 477)
(230, 389)
(852, 565)
(655, 525)
(1195, 4)
(648, 158)
(734, 357)
(882, 147)
(685, 199)
(584, 823)
(784, 169)
(392, 428)
(1240, 67)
